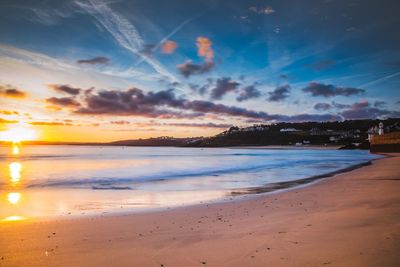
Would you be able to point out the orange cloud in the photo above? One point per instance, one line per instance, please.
(4, 121)
(204, 48)
(168, 47)
(11, 92)
(9, 112)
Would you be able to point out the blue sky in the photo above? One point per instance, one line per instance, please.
(278, 59)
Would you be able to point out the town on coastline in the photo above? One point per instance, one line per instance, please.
(352, 134)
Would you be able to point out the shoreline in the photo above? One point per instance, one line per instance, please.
(349, 219)
(231, 195)
(293, 184)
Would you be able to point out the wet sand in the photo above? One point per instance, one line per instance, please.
(351, 219)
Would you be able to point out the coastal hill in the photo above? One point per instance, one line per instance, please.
(158, 141)
(351, 134)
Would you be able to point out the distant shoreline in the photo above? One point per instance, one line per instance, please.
(44, 143)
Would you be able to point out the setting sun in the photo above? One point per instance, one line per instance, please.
(18, 133)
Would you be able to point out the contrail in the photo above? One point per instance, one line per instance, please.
(175, 31)
(123, 32)
(172, 33)
(380, 79)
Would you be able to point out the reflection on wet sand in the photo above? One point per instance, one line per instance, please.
(13, 218)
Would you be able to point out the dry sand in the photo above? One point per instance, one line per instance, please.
(352, 219)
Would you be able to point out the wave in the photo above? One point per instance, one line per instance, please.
(157, 177)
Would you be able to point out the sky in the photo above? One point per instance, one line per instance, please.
(104, 70)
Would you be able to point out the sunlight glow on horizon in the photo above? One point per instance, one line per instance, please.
(20, 132)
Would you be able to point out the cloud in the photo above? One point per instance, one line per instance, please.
(120, 122)
(308, 117)
(155, 104)
(11, 92)
(165, 104)
(268, 10)
(200, 125)
(168, 47)
(188, 68)
(322, 106)
(280, 93)
(339, 105)
(328, 90)
(224, 85)
(205, 51)
(93, 61)
(248, 92)
(49, 16)
(201, 90)
(50, 123)
(204, 48)
(64, 88)
(131, 102)
(4, 121)
(9, 112)
(210, 107)
(63, 101)
(321, 65)
(379, 104)
(364, 110)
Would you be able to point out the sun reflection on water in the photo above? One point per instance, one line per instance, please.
(15, 172)
(15, 149)
(14, 198)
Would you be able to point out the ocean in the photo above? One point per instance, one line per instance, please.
(51, 181)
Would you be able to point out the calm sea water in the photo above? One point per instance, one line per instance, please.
(42, 181)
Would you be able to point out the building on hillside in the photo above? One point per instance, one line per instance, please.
(380, 130)
(375, 130)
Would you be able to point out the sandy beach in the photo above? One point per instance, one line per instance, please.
(351, 219)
